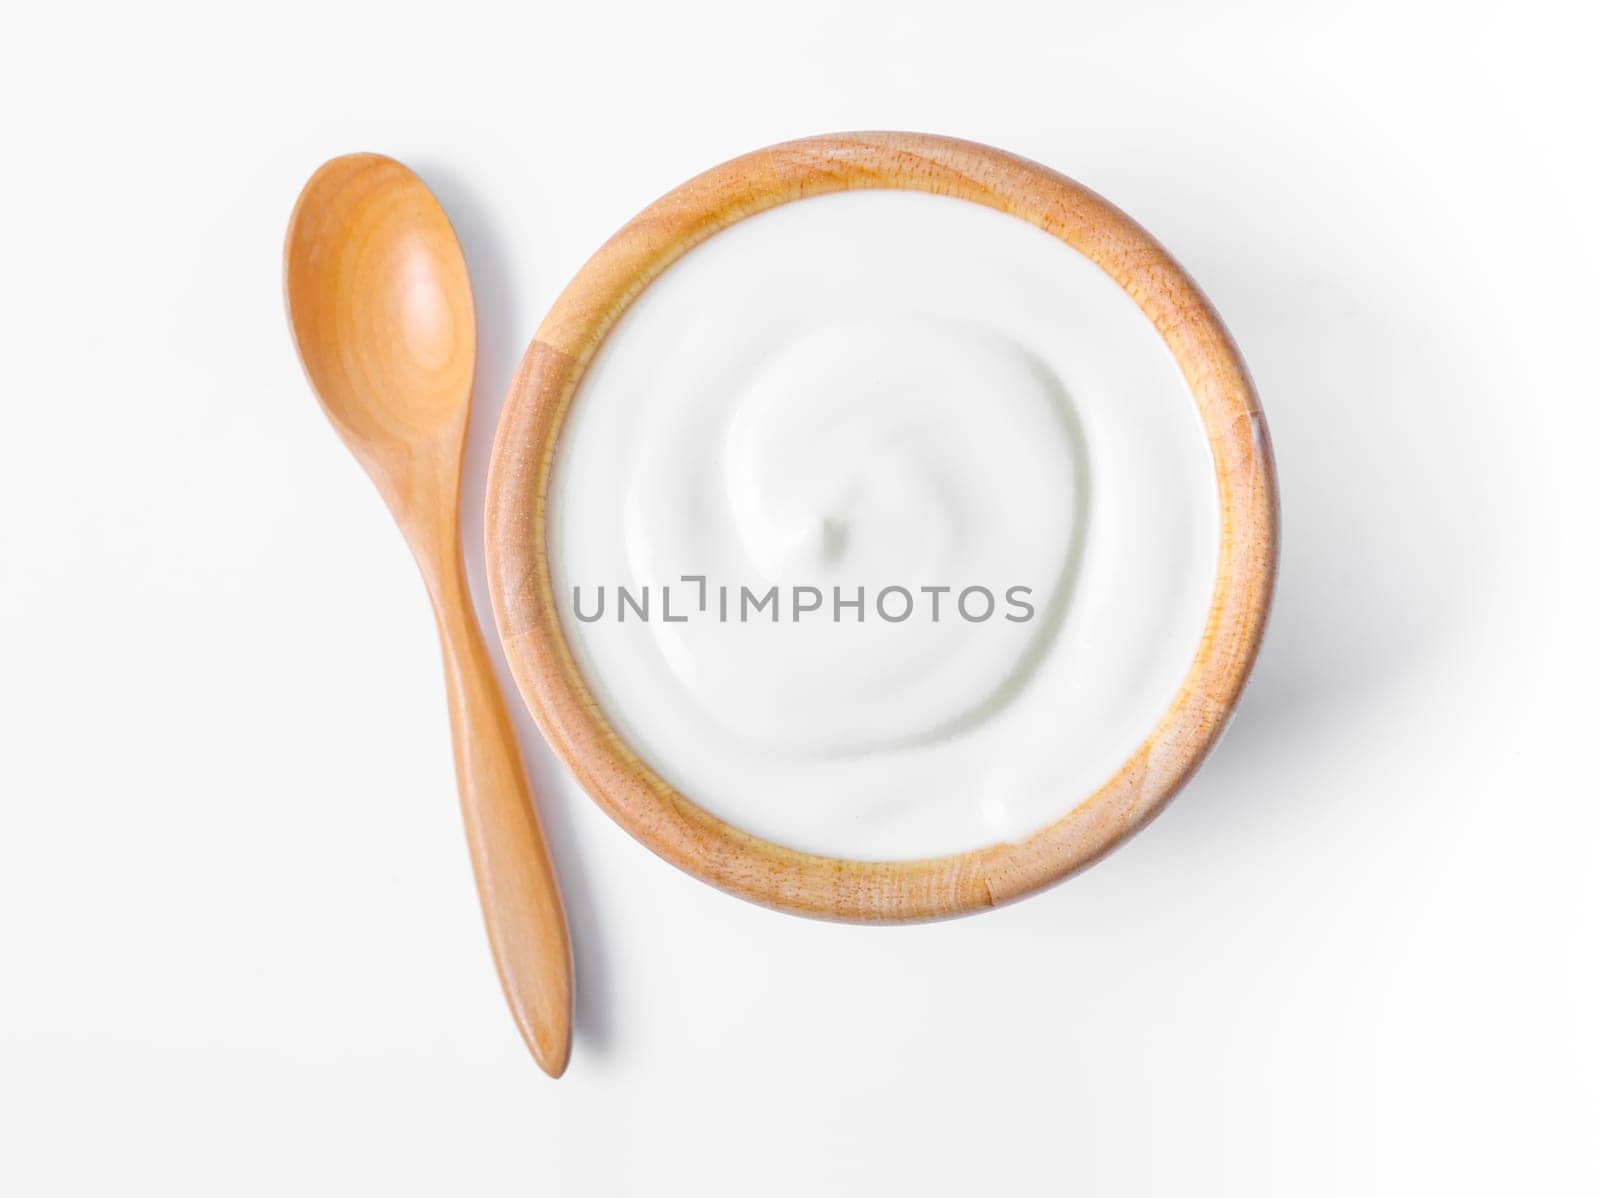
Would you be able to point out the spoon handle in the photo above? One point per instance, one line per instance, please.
(516, 884)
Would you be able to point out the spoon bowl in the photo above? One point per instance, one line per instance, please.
(384, 320)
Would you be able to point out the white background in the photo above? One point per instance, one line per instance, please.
(239, 948)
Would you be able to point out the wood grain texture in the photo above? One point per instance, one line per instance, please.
(669, 822)
(381, 310)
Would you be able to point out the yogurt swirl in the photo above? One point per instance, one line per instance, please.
(877, 456)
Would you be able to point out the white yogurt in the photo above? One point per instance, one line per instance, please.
(955, 462)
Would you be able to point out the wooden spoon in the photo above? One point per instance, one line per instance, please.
(381, 309)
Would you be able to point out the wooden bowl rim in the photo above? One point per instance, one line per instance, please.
(668, 822)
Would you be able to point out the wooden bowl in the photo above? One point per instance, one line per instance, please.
(669, 822)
